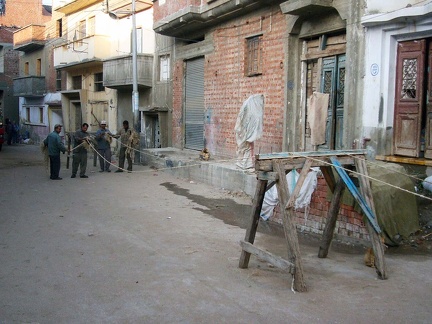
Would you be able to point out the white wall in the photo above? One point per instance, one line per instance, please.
(380, 52)
(380, 6)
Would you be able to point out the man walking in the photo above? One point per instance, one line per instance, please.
(80, 152)
(126, 136)
(103, 138)
(55, 146)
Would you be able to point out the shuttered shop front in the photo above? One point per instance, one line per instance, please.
(194, 104)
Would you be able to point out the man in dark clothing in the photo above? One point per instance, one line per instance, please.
(103, 138)
(55, 146)
(9, 128)
(125, 143)
(80, 154)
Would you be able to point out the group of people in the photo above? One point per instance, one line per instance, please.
(12, 131)
(82, 140)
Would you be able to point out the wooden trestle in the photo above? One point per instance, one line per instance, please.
(272, 169)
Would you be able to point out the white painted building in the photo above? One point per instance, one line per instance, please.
(397, 110)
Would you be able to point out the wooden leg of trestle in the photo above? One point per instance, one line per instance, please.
(289, 228)
(377, 245)
(254, 220)
(331, 219)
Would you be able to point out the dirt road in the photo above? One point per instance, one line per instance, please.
(148, 248)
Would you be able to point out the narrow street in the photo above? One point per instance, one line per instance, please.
(144, 247)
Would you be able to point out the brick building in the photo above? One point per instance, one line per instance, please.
(224, 51)
(13, 16)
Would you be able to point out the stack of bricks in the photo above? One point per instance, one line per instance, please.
(312, 219)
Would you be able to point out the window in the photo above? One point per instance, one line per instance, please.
(164, 68)
(253, 56)
(38, 67)
(81, 29)
(76, 82)
(98, 82)
(59, 28)
(139, 40)
(26, 68)
(34, 114)
(58, 80)
(41, 115)
(91, 26)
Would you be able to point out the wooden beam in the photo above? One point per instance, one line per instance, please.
(268, 257)
(254, 220)
(315, 154)
(298, 162)
(331, 219)
(289, 228)
(329, 177)
(302, 177)
(377, 245)
(265, 175)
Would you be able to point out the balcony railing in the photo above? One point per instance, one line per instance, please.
(29, 86)
(90, 48)
(29, 38)
(117, 72)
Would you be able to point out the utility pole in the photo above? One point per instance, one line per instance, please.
(135, 93)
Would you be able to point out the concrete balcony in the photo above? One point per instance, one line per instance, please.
(29, 38)
(85, 50)
(117, 72)
(193, 18)
(29, 86)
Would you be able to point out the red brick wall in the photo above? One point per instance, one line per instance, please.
(24, 13)
(226, 87)
(349, 222)
(170, 7)
(177, 114)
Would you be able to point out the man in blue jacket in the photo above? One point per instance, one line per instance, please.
(103, 139)
(55, 146)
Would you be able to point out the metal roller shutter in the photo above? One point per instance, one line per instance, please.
(194, 104)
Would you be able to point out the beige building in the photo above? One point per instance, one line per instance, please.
(95, 56)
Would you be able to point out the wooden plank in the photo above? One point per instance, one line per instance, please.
(285, 155)
(329, 177)
(254, 220)
(68, 150)
(269, 176)
(268, 257)
(356, 194)
(331, 219)
(377, 245)
(302, 177)
(289, 228)
(297, 163)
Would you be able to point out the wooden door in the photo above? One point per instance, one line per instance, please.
(428, 116)
(410, 69)
(333, 83)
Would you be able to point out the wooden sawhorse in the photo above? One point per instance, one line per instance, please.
(273, 168)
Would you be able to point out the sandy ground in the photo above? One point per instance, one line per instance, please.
(148, 248)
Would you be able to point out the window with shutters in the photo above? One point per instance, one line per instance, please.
(253, 56)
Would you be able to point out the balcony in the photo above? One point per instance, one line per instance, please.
(86, 50)
(123, 6)
(29, 38)
(193, 20)
(29, 86)
(117, 72)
